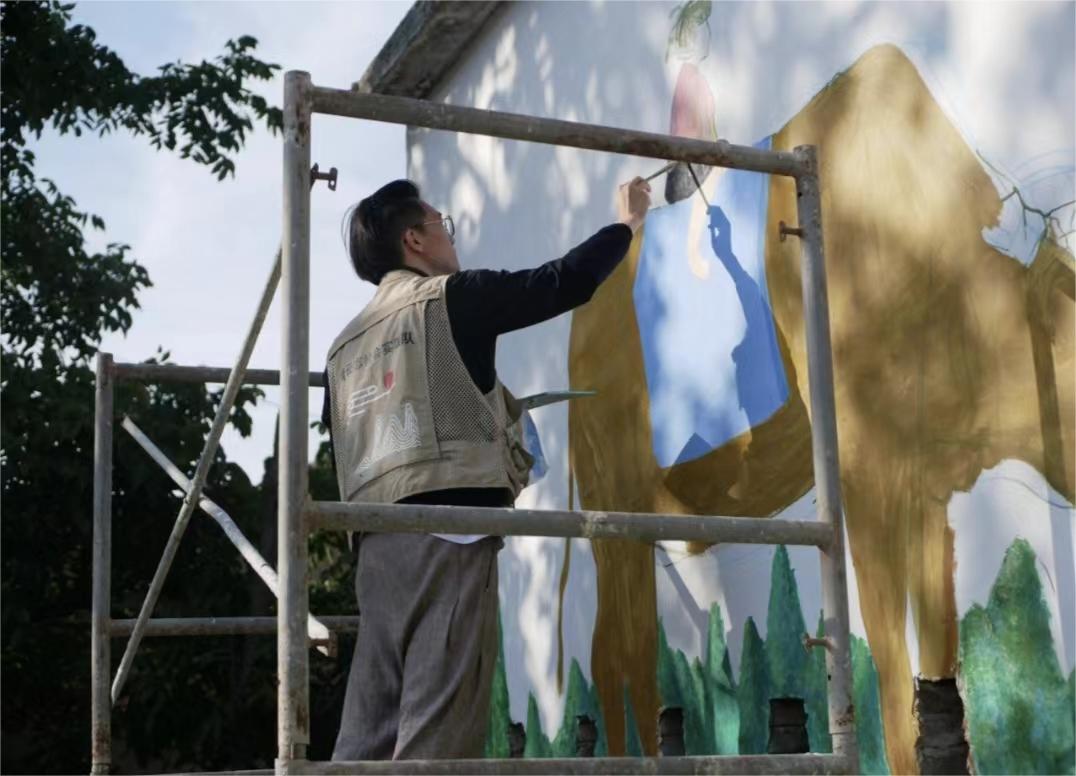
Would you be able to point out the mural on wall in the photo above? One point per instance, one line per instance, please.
(947, 171)
(950, 357)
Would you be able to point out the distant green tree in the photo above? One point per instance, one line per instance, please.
(57, 300)
(754, 692)
(785, 656)
(1018, 705)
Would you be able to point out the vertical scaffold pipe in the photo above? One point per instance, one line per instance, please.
(100, 636)
(826, 462)
(293, 668)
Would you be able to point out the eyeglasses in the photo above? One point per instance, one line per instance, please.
(449, 225)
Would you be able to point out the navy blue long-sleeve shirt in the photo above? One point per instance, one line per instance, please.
(482, 304)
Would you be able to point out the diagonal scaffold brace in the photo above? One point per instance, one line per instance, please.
(320, 635)
(201, 472)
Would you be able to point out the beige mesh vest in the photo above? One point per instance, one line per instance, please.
(407, 417)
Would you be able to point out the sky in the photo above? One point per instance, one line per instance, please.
(209, 245)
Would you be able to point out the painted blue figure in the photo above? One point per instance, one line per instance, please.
(753, 374)
(713, 367)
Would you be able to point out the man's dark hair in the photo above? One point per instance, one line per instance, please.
(376, 225)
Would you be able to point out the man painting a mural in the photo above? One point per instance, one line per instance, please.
(418, 415)
(817, 513)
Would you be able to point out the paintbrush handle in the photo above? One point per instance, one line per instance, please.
(662, 171)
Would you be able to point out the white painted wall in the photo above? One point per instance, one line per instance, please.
(1002, 71)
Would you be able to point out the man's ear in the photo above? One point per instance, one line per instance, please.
(411, 240)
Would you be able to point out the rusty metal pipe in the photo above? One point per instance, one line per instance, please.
(509, 521)
(221, 626)
(827, 473)
(100, 646)
(176, 373)
(513, 126)
(735, 764)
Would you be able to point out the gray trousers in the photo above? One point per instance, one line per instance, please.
(420, 679)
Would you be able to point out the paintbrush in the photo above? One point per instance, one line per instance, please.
(662, 171)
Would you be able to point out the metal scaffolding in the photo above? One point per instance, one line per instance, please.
(297, 515)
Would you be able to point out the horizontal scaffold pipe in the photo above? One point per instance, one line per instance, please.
(423, 518)
(174, 373)
(221, 626)
(740, 764)
(592, 137)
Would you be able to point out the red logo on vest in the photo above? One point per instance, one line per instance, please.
(388, 380)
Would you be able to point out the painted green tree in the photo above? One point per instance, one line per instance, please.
(580, 698)
(754, 692)
(869, 731)
(1019, 706)
(705, 692)
(499, 714)
(816, 699)
(633, 742)
(785, 656)
(723, 714)
(1072, 688)
(601, 747)
(537, 742)
(720, 688)
(804, 676)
